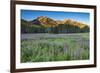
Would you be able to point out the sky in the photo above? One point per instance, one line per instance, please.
(56, 15)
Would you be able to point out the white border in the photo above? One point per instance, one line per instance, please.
(52, 64)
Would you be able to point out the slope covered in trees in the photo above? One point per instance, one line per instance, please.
(47, 25)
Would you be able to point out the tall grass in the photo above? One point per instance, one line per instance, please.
(55, 49)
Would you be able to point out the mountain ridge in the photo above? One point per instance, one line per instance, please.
(46, 21)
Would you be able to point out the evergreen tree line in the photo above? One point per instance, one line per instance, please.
(61, 28)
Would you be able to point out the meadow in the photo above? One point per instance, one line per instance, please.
(54, 47)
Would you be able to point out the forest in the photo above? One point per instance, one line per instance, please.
(37, 26)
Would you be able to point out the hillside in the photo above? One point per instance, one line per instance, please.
(44, 24)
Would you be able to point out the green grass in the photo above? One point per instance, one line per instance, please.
(71, 47)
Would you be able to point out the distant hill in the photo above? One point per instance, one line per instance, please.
(44, 24)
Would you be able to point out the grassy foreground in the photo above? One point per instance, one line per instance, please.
(69, 47)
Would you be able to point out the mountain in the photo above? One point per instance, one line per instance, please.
(48, 22)
(44, 24)
(45, 21)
